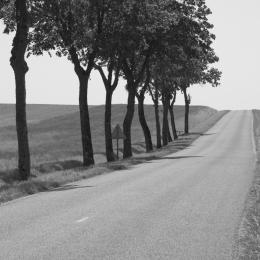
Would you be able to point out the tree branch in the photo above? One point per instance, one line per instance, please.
(102, 74)
(117, 74)
(151, 94)
(75, 60)
(140, 74)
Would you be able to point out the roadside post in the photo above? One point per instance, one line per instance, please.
(117, 134)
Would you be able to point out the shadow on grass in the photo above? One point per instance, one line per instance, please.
(136, 150)
(12, 175)
(117, 166)
(58, 166)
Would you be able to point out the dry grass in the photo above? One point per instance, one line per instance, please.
(57, 151)
(249, 233)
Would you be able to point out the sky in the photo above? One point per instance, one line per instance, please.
(237, 27)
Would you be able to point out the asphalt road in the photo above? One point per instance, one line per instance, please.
(185, 206)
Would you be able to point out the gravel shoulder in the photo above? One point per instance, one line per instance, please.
(249, 231)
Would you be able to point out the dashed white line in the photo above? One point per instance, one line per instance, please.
(82, 220)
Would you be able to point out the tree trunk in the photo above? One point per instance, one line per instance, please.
(142, 120)
(157, 116)
(128, 122)
(187, 111)
(165, 129)
(24, 163)
(20, 69)
(158, 125)
(168, 132)
(174, 132)
(88, 157)
(108, 131)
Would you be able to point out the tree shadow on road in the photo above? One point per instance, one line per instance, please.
(69, 187)
(138, 160)
(201, 134)
(177, 157)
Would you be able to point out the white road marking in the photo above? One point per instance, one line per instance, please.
(82, 220)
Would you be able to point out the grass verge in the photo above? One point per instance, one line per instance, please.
(249, 231)
(12, 188)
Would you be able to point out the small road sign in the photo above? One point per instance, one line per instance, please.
(118, 134)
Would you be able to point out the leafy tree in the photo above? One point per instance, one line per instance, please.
(68, 28)
(113, 66)
(165, 85)
(197, 75)
(195, 39)
(134, 77)
(20, 23)
(72, 29)
(109, 60)
(212, 77)
(86, 31)
(145, 24)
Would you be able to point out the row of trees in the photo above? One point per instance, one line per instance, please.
(158, 46)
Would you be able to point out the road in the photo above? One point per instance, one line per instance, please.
(185, 206)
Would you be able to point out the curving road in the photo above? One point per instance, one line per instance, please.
(185, 206)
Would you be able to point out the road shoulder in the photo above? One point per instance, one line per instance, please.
(249, 230)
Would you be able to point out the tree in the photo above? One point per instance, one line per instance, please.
(72, 28)
(171, 110)
(165, 85)
(135, 53)
(145, 24)
(68, 28)
(154, 93)
(133, 80)
(187, 99)
(194, 34)
(109, 60)
(197, 73)
(140, 95)
(76, 35)
(20, 69)
(110, 85)
(166, 97)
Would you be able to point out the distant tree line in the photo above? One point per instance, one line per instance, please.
(159, 47)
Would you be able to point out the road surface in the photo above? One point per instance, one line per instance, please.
(185, 206)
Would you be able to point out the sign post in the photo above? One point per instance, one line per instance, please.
(118, 134)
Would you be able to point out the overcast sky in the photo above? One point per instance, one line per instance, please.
(237, 27)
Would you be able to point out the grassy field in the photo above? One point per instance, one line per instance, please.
(249, 234)
(54, 132)
(56, 148)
